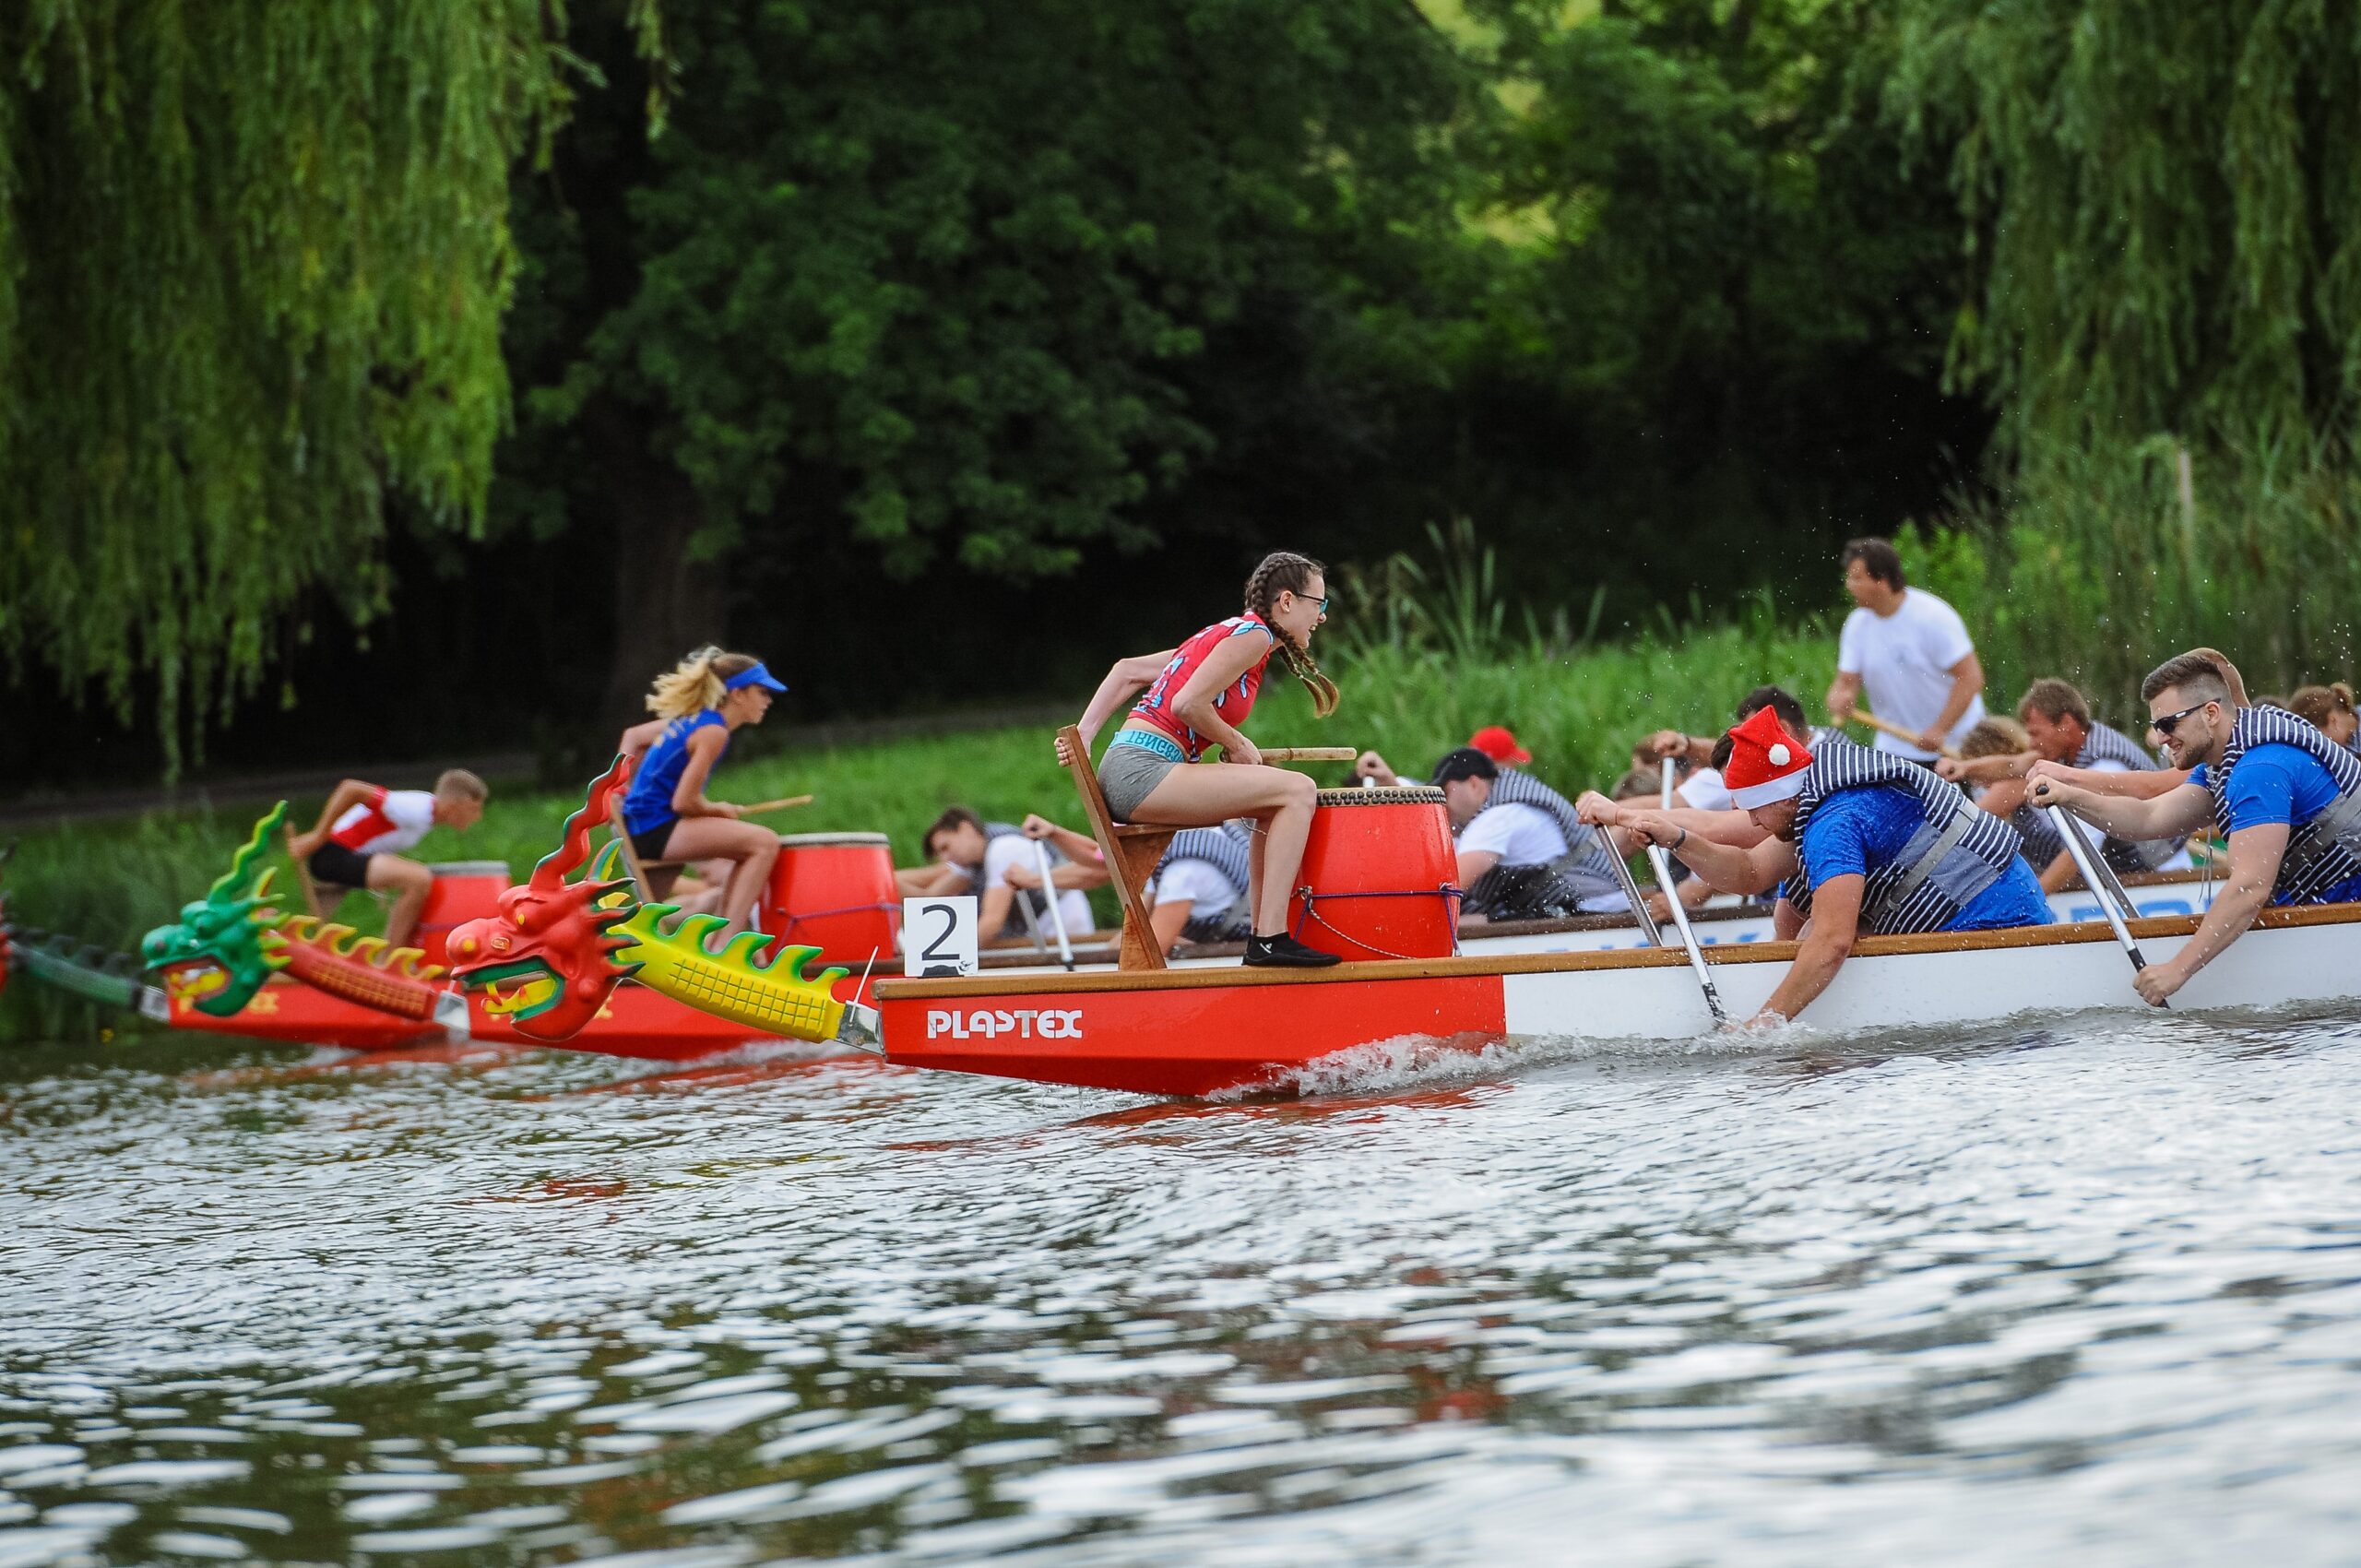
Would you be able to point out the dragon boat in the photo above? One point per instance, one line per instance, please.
(1387, 909)
(235, 964)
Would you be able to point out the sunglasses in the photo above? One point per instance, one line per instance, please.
(1320, 603)
(2164, 724)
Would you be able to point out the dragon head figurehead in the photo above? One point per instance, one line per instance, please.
(232, 929)
(552, 940)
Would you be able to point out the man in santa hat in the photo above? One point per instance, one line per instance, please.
(1859, 842)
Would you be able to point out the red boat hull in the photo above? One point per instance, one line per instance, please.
(635, 1022)
(1191, 1033)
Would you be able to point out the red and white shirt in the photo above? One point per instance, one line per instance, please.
(387, 823)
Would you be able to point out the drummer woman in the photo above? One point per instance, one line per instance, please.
(1199, 695)
(697, 705)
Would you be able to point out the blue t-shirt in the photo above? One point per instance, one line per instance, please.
(1855, 831)
(2279, 783)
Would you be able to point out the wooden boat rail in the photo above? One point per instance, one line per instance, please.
(892, 990)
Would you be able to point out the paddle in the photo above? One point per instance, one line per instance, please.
(1681, 914)
(1639, 900)
(1896, 731)
(777, 805)
(1049, 892)
(2100, 881)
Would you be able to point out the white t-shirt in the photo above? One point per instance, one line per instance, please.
(1704, 790)
(1015, 848)
(1903, 660)
(401, 818)
(1520, 835)
(1208, 893)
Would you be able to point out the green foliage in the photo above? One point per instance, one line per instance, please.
(253, 259)
(2163, 221)
(929, 272)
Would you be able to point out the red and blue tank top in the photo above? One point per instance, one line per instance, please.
(1234, 701)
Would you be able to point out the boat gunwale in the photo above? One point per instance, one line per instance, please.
(893, 989)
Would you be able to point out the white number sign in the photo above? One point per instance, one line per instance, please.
(939, 937)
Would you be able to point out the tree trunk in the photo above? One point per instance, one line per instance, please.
(665, 604)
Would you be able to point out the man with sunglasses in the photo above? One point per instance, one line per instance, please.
(2286, 796)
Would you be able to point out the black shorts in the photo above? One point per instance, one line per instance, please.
(337, 866)
(649, 845)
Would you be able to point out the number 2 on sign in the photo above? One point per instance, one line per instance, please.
(939, 937)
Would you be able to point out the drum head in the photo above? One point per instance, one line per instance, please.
(1400, 795)
(471, 868)
(830, 840)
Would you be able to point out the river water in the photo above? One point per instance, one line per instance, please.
(2089, 1290)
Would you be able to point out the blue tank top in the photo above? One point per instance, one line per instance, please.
(649, 802)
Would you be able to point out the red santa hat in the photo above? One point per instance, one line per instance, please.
(1766, 763)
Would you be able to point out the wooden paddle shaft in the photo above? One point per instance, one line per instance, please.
(1896, 731)
(778, 805)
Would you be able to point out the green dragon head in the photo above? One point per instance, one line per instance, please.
(229, 928)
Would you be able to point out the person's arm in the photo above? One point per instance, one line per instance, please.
(688, 796)
(2174, 815)
(2255, 854)
(1986, 770)
(1725, 867)
(1125, 680)
(1697, 751)
(1967, 684)
(2061, 874)
(1827, 943)
(1786, 921)
(1073, 846)
(2146, 784)
(342, 798)
(1734, 828)
(1194, 706)
(1843, 695)
(992, 909)
(639, 737)
(1372, 766)
(1474, 864)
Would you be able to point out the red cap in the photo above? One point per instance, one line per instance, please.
(1766, 763)
(1496, 743)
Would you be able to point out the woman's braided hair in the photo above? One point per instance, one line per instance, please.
(1284, 572)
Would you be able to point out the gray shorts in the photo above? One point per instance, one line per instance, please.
(1128, 775)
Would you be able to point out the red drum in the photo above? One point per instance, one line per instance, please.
(463, 891)
(835, 892)
(1381, 876)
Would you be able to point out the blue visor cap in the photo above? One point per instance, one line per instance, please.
(760, 675)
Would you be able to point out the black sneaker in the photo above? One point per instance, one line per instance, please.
(1284, 952)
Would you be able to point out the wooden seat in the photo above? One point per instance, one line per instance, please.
(633, 863)
(1130, 850)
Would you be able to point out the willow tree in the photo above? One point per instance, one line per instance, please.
(2164, 215)
(253, 261)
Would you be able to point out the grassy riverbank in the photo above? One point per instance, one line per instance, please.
(1578, 711)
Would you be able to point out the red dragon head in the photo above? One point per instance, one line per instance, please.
(554, 938)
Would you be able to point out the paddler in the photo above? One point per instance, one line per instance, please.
(1522, 852)
(1199, 694)
(699, 704)
(1863, 841)
(2055, 720)
(2287, 797)
(362, 830)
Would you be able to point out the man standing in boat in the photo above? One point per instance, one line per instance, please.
(2286, 796)
(1862, 841)
(1909, 653)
